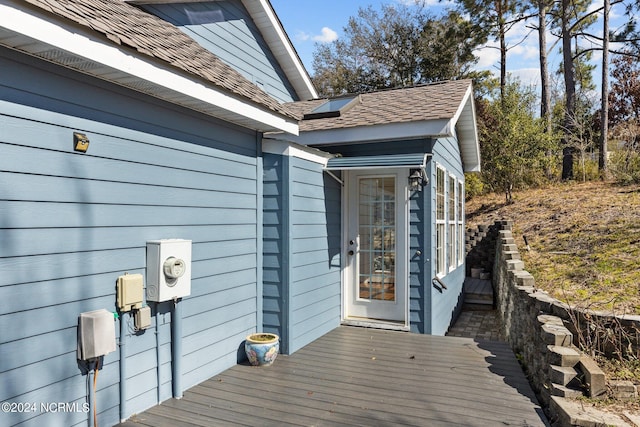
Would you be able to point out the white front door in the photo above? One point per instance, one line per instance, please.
(376, 270)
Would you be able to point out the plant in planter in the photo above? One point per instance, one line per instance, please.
(262, 348)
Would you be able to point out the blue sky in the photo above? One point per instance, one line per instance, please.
(319, 21)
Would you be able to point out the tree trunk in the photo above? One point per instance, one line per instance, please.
(604, 117)
(503, 59)
(570, 89)
(545, 105)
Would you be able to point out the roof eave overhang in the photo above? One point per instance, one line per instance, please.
(467, 132)
(34, 32)
(375, 133)
(271, 28)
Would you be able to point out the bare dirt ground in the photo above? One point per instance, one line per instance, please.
(584, 240)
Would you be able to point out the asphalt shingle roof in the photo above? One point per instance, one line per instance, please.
(127, 25)
(419, 103)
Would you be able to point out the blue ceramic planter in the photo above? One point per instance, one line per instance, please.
(262, 348)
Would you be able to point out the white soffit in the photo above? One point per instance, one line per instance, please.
(33, 32)
(271, 28)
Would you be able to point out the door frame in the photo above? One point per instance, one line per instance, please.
(402, 228)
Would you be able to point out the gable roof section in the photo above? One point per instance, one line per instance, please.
(436, 110)
(116, 41)
(274, 34)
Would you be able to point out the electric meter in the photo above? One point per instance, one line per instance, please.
(174, 268)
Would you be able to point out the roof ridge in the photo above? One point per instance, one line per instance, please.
(390, 89)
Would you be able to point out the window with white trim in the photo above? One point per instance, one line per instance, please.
(451, 224)
(440, 222)
(461, 234)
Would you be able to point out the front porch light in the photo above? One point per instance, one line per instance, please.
(417, 180)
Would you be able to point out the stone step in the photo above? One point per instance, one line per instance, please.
(563, 391)
(565, 376)
(563, 356)
(556, 335)
(476, 307)
(479, 298)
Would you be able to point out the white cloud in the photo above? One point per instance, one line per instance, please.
(527, 76)
(524, 52)
(488, 56)
(302, 36)
(327, 36)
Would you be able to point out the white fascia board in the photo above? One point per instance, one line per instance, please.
(265, 18)
(470, 145)
(68, 38)
(374, 133)
(291, 149)
(467, 95)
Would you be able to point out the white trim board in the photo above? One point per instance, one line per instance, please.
(292, 149)
(34, 32)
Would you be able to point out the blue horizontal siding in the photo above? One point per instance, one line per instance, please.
(446, 305)
(71, 223)
(226, 29)
(302, 247)
(275, 273)
(315, 278)
(28, 241)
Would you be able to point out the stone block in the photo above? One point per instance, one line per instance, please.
(556, 335)
(524, 278)
(563, 356)
(593, 376)
(544, 301)
(572, 413)
(564, 375)
(624, 390)
(514, 264)
(550, 319)
(567, 392)
(511, 255)
(506, 247)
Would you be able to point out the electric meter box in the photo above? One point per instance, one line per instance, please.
(168, 269)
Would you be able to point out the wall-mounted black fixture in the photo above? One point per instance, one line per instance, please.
(417, 179)
(80, 142)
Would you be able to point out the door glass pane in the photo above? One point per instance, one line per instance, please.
(377, 228)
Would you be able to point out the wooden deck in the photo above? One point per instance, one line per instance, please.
(368, 377)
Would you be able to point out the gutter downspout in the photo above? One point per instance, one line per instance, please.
(123, 366)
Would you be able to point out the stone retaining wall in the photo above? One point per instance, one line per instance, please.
(545, 333)
(594, 329)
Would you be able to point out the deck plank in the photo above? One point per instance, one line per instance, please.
(357, 376)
